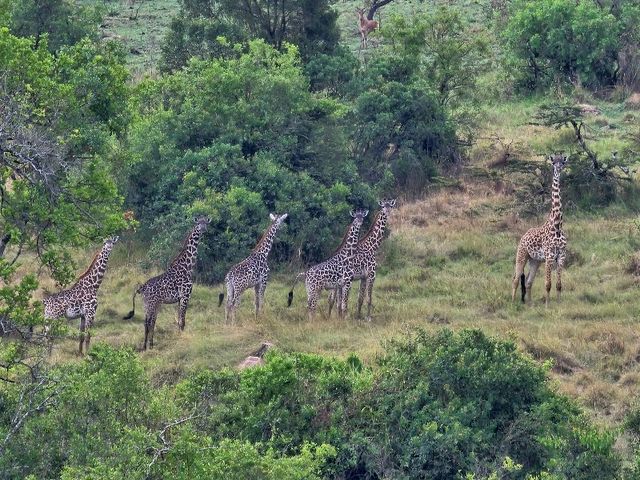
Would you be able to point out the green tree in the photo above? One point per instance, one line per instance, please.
(309, 24)
(238, 138)
(57, 184)
(450, 54)
(575, 42)
(63, 22)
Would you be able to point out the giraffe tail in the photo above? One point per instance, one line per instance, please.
(523, 285)
(220, 299)
(290, 296)
(133, 311)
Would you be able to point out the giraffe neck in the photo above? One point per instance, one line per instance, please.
(92, 278)
(373, 238)
(555, 216)
(187, 256)
(266, 242)
(350, 242)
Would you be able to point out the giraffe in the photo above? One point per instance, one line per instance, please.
(253, 271)
(81, 300)
(364, 27)
(543, 244)
(172, 286)
(335, 272)
(364, 262)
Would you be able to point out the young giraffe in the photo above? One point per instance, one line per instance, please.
(543, 244)
(81, 300)
(173, 286)
(364, 262)
(253, 271)
(334, 273)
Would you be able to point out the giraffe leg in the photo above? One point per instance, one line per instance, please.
(152, 328)
(82, 329)
(257, 300)
(548, 264)
(312, 301)
(260, 289)
(521, 261)
(182, 312)
(560, 266)
(332, 299)
(228, 309)
(362, 293)
(370, 281)
(344, 299)
(533, 269)
(90, 316)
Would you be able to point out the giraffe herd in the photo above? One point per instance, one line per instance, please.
(354, 259)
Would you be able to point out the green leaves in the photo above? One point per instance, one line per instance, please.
(574, 42)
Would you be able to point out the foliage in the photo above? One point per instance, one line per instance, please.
(196, 31)
(575, 42)
(58, 115)
(237, 139)
(402, 135)
(51, 19)
(437, 406)
(450, 54)
(591, 181)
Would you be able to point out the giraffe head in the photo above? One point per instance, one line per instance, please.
(278, 219)
(201, 224)
(358, 216)
(558, 160)
(387, 205)
(110, 242)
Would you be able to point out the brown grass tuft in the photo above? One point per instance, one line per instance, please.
(562, 362)
(634, 265)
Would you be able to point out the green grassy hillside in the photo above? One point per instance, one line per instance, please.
(448, 262)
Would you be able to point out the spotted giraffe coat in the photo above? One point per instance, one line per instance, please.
(253, 271)
(365, 260)
(335, 272)
(172, 286)
(81, 300)
(546, 243)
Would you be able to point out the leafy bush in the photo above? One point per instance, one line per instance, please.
(575, 42)
(237, 139)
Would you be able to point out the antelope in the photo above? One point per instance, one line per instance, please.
(365, 26)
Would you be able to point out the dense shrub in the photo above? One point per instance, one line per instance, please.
(570, 41)
(435, 406)
(237, 139)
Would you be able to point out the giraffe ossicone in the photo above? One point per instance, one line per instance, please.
(172, 286)
(253, 271)
(81, 300)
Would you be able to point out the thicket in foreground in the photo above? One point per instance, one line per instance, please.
(448, 405)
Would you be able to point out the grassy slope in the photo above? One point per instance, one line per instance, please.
(448, 262)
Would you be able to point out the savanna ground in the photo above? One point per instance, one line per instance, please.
(448, 262)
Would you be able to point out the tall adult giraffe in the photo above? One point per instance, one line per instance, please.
(253, 271)
(335, 272)
(81, 300)
(547, 243)
(172, 286)
(365, 261)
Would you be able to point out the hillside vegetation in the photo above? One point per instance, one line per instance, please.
(142, 115)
